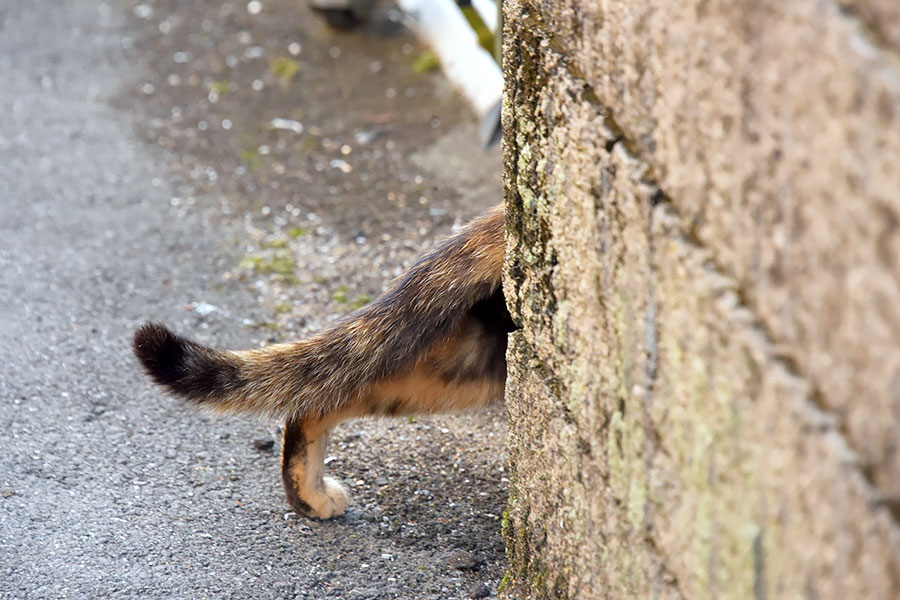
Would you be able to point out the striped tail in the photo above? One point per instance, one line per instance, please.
(325, 372)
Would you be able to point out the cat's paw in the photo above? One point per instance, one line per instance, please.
(328, 502)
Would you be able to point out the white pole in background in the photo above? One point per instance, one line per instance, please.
(469, 66)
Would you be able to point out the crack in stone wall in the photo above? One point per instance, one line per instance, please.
(878, 20)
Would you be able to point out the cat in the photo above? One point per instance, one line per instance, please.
(435, 341)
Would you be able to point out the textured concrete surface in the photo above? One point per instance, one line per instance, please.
(110, 489)
(703, 254)
(775, 128)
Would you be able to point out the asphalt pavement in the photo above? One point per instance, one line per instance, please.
(109, 489)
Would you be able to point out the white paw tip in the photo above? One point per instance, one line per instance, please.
(338, 495)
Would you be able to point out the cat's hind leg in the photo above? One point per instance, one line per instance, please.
(307, 489)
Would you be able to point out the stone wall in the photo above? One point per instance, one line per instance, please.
(704, 254)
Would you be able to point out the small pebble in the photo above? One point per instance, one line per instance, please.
(289, 124)
(264, 445)
(463, 560)
(341, 164)
(480, 590)
(143, 11)
(252, 52)
(203, 308)
(364, 137)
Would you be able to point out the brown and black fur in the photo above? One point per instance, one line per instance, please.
(435, 341)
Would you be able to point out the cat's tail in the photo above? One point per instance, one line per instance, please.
(323, 373)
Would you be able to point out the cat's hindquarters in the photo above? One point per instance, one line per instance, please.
(450, 297)
(435, 341)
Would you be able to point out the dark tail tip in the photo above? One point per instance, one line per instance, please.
(163, 354)
(185, 367)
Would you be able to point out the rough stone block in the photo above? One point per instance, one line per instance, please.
(774, 127)
(670, 433)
